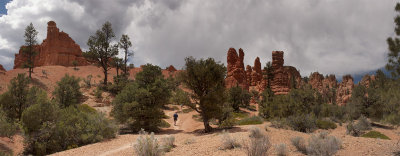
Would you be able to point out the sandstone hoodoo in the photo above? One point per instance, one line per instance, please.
(171, 68)
(2, 68)
(285, 77)
(236, 75)
(344, 90)
(57, 49)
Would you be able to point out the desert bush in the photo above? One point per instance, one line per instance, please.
(257, 146)
(5, 153)
(71, 127)
(147, 145)
(323, 145)
(67, 91)
(88, 81)
(325, 124)
(167, 143)
(7, 127)
(187, 110)
(363, 124)
(302, 123)
(375, 134)
(300, 144)
(281, 150)
(180, 97)
(228, 142)
(255, 132)
(98, 93)
(189, 141)
(164, 124)
(279, 123)
(253, 120)
(358, 128)
(120, 82)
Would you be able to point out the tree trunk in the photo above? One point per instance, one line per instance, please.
(126, 53)
(105, 73)
(207, 127)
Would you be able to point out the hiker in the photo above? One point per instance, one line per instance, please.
(175, 118)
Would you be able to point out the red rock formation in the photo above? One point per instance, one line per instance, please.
(315, 80)
(283, 75)
(256, 75)
(57, 49)
(171, 68)
(366, 80)
(2, 68)
(344, 90)
(330, 82)
(248, 74)
(236, 75)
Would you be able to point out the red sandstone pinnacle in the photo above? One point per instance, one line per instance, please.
(57, 49)
(2, 68)
(236, 75)
(171, 68)
(344, 90)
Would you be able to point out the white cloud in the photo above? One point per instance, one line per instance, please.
(328, 36)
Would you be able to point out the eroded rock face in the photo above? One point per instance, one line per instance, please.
(57, 49)
(236, 75)
(256, 75)
(2, 68)
(284, 76)
(249, 70)
(366, 80)
(171, 68)
(344, 90)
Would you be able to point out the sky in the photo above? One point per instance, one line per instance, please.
(329, 36)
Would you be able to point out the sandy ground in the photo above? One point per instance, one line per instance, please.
(189, 139)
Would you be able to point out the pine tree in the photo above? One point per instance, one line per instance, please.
(125, 43)
(29, 49)
(393, 64)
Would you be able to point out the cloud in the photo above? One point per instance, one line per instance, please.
(328, 36)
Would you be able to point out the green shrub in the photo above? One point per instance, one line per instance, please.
(257, 146)
(363, 124)
(325, 124)
(279, 123)
(375, 134)
(238, 97)
(67, 91)
(147, 145)
(164, 124)
(228, 142)
(7, 127)
(72, 127)
(302, 123)
(228, 123)
(88, 81)
(253, 120)
(15, 100)
(98, 93)
(240, 114)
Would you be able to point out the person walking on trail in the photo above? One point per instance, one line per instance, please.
(175, 118)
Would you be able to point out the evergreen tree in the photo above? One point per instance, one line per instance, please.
(67, 91)
(29, 49)
(100, 48)
(125, 43)
(206, 79)
(393, 64)
(14, 101)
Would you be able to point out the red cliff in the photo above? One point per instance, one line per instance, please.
(236, 75)
(57, 49)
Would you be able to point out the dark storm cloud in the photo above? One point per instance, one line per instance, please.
(329, 36)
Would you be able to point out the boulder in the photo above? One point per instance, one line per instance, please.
(57, 49)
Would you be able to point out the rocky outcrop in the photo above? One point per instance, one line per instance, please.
(284, 76)
(256, 75)
(236, 75)
(57, 49)
(366, 80)
(171, 68)
(249, 70)
(2, 68)
(344, 90)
